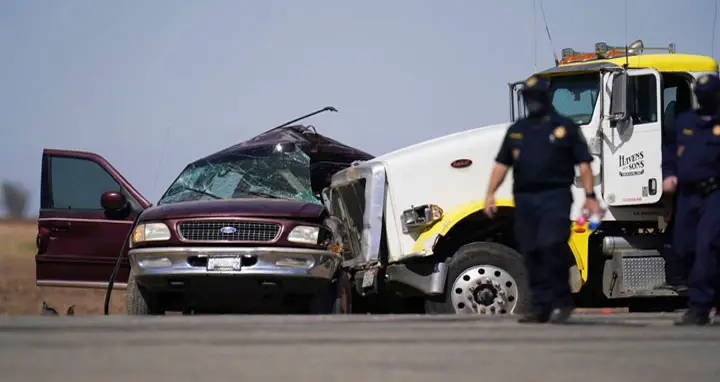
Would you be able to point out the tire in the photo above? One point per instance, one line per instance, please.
(336, 298)
(482, 270)
(140, 302)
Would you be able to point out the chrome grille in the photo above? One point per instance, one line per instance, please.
(348, 203)
(229, 230)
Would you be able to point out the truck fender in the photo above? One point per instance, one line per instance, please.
(579, 235)
(427, 239)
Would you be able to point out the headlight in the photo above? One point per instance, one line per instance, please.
(304, 234)
(150, 232)
(421, 216)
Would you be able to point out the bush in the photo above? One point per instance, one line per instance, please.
(15, 199)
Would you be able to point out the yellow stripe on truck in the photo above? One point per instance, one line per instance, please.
(426, 240)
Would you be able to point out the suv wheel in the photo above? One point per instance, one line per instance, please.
(139, 301)
(336, 298)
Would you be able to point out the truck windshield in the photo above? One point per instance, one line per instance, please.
(574, 96)
(253, 173)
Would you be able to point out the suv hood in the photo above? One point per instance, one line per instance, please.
(255, 207)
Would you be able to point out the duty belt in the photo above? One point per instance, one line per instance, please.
(704, 187)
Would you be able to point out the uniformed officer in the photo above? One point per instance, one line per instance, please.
(696, 181)
(543, 149)
(677, 265)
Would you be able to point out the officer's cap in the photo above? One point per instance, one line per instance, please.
(707, 83)
(536, 85)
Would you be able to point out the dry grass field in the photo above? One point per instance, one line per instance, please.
(18, 293)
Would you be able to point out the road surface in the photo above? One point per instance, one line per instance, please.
(621, 347)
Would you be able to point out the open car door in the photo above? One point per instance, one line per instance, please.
(632, 148)
(78, 243)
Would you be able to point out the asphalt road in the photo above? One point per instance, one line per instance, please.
(621, 347)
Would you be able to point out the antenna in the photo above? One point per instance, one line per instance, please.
(626, 24)
(162, 155)
(627, 58)
(542, 9)
(534, 34)
(712, 49)
(326, 108)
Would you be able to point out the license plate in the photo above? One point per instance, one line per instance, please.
(224, 263)
(368, 278)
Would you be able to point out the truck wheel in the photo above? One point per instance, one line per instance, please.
(334, 299)
(140, 302)
(483, 278)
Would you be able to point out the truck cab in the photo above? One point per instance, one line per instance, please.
(414, 216)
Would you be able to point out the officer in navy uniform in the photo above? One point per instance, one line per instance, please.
(677, 265)
(543, 150)
(697, 212)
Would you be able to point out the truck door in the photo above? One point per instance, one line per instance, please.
(78, 244)
(632, 151)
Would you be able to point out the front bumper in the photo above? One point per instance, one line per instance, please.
(175, 262)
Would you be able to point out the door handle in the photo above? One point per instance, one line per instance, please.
(60, 226)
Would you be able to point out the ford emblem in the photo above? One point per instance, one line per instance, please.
(228, 230)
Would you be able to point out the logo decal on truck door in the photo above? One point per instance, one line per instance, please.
(632, 165)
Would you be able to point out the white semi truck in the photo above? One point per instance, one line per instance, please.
(413, 222)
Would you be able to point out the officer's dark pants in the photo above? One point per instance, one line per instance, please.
(542, 231)
(677, 264)
(697, 232)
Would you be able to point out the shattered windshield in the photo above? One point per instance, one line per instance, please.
(253, 173)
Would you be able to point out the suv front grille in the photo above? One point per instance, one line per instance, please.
(228, 230)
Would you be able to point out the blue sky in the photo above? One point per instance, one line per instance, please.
(137, 80)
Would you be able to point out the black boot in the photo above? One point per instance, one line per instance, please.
(535, 317)
(561, 315)
(693, 318)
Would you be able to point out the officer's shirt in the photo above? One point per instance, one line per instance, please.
(697, 151)
(543, 152)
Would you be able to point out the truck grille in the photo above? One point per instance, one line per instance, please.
(231, 230)
(348, 201)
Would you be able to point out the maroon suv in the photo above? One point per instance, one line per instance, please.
(243, 229)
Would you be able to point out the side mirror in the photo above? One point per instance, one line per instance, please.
(113, 201)
(618, 97)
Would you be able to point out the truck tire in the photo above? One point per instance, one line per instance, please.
(336, 298)
(483, 278)
(140, 302)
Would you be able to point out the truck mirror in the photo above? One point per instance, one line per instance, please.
(618, 96)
